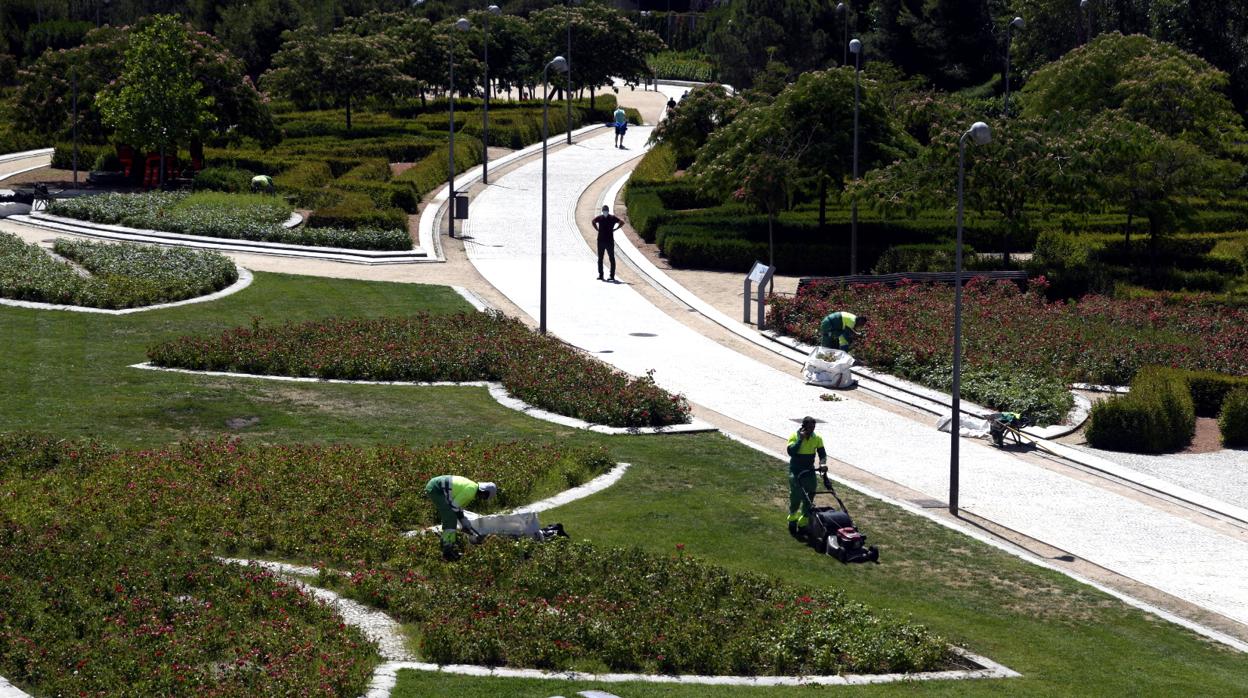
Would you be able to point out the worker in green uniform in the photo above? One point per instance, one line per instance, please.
(262, 183)
(803, 446)
(838, 330)
(450, 494)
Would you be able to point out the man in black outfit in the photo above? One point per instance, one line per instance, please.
(606, 225)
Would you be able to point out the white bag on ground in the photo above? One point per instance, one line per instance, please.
(828, 368)
(968, 426)
(514, 525)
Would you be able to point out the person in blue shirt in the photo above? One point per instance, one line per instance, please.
(621, 126)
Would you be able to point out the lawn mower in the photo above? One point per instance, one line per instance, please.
(831, 531)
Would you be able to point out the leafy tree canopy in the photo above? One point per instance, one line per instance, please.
(1154, 83)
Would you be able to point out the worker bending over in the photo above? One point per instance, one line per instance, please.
(450, 494)
(842, 328)
(802, 449)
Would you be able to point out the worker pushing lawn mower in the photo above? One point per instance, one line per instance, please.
(828, 530)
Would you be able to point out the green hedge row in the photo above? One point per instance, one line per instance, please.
(1157, 416)
(431, 172)
(356, 210)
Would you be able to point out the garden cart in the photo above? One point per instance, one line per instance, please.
(831, 531)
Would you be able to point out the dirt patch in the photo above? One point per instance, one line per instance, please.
(1208, 437)
(241, 422)
(398, 168)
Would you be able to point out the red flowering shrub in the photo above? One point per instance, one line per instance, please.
(538, 369)
(1096, 340)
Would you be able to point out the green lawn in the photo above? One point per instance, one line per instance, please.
(67, 373)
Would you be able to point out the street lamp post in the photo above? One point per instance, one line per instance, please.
(980, 134)
(485, 112)
(462, 25)
(1016, 23)
(855, 47)
(843, 10)
(568, 63)
(560, 65)
(1086, 8)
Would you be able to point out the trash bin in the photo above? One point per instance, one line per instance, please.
(460, 206)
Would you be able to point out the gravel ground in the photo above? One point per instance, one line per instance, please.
(1220, 474)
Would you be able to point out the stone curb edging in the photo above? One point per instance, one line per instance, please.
(71, 226)
(385, 677)
(1020, 553)
(594, 486)
(26, 155)
(1094, 388)
(245, 278)
(433, 212)
(8, 690)
(496, 390)
(386, 632)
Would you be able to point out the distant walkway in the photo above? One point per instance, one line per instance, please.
(1126, 535)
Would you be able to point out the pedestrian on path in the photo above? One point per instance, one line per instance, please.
(450, 494)
(621, 126)
(606, 225)
(803, 446)
(842, 328)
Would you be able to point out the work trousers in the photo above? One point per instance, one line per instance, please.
(801, 493)
(450, 522)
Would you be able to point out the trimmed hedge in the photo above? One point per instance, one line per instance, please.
(1234, 419)
(921, 258)
(430, 173)
(1157, 416)
(63, 155)
(356, 210)
(226, 179)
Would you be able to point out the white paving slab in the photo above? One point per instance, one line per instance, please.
(624, 329)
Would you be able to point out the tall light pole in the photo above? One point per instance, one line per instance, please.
(485, 112)
(855, 47)
(980, 134)
(568, 68)
(462, 25)
(1086, 8)
(843, 10)
(560, 65)
(1016, 23)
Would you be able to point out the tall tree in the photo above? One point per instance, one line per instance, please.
(157, 103)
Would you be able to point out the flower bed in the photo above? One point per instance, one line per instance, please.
(85, 614)
(554, 605)
(519, 604)
(1095, 340)
(220, 215)
(123, 275)
(539, 370)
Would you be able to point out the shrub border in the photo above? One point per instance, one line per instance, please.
(245, 278)
(496, 390)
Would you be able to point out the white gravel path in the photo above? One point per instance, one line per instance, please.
(1221, 474)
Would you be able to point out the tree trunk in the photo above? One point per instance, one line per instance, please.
(1005, 248)
(823, 202)
(424, 99)
(771, 251)
(1154, 238)
(1130, 214)
(348, 113)
(591, 98)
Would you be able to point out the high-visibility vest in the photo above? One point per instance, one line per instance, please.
(463, 491)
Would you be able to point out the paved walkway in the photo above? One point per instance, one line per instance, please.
(616, 323)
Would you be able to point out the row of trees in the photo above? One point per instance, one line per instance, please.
(393, 57)
(1125, 122)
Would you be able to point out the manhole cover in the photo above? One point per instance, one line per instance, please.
(929, 503)
(642, 334)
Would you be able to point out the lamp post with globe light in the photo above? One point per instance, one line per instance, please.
(855, 47)
(980, 134)
(485, 111)
(461, 25)
(560, 65)
(1016, 23)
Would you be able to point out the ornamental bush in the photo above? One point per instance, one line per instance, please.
(120, 275)
(227, 179)
(1157, 416)
(1233, 421)
(540, 370)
